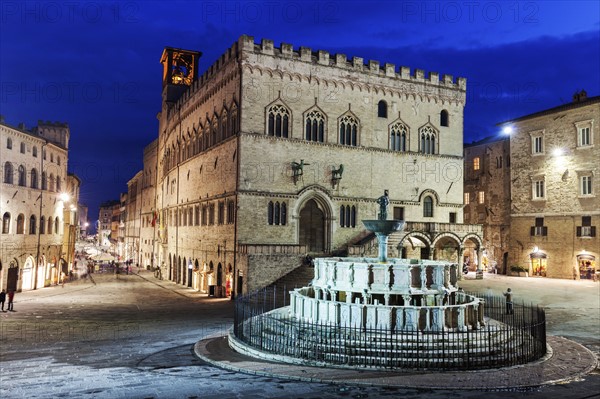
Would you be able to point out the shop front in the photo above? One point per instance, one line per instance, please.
(538, 263)
(587, 266)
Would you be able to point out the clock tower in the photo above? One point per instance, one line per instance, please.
(180, 70)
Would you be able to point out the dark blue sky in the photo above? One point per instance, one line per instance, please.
(96, 64)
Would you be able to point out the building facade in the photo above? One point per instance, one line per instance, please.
(108, 224)
(487, 197)
(275, 153)
(555, 207)
(34, 174)
(149, 213)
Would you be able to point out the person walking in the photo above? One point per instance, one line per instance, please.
(11, 297)
(509, 301)
(2, 299)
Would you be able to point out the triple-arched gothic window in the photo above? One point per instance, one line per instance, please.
(278, 121)
(315, 126)
(349, 131)
(428, 140)
(399, 137)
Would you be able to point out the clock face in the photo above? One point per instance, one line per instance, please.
(182, 69)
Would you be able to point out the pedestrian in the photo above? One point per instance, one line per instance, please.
(509, 301)
(2, 299)
(11, 296)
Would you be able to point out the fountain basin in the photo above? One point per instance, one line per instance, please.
(384, 227)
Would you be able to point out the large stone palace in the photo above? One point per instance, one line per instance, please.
(278, 152)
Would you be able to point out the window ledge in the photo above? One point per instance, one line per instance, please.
(584, 147)
(539, 199)
(587, 196)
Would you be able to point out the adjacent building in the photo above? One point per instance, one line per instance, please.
(555, 206)
(34, 174)
(487, 189)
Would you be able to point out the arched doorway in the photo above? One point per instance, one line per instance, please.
(183, 271)
(312, 227)
(27, 278)
(13, 276)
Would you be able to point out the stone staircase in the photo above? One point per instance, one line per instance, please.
(299, 277)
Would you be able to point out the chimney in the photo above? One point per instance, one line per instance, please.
(579, 96)
(21, 126)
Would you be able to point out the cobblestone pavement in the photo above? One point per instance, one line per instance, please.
(134, 337)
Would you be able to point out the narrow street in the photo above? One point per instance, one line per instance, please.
(133, 337)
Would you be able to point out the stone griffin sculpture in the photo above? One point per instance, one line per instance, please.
(298, 169)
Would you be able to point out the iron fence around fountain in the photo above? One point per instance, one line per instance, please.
(263, 324)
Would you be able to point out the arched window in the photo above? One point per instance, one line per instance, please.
(230, 212)
(428, 207)
(43, 225)
(8, 173)
(444, 118)
(234, 123)
(22, 148)
(44, 181)
(190, 216)
(342, 216)
(50, 225)
(278, 121)
(51, 182)
(399, 137)
(382, 109)
(58, 184)
(276, 213)
(283, 213)
(32, 225)
(9, 143)
(34, 151)
(21, 175)
(213, 134)
(34, 178)
(428, 140)
(315, 126)
(224, 124)
(58, 160)
(349, 131)
(6, 223)
(20, 223)
(56, 224)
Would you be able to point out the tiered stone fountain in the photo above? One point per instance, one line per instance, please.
(393, 294)
(380, 312)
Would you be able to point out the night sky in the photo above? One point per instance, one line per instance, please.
(95, 65)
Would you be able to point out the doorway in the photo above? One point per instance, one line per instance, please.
(312, 227)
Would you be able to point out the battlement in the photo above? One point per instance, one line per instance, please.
(246, 44)
(322, 57)
(52, 124)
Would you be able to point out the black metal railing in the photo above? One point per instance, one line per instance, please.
(261, 323)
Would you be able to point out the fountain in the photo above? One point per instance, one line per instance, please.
(385, 313)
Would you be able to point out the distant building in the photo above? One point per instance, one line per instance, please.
(34, 174)
(108, 223)
(555, 206)
(487, 197)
